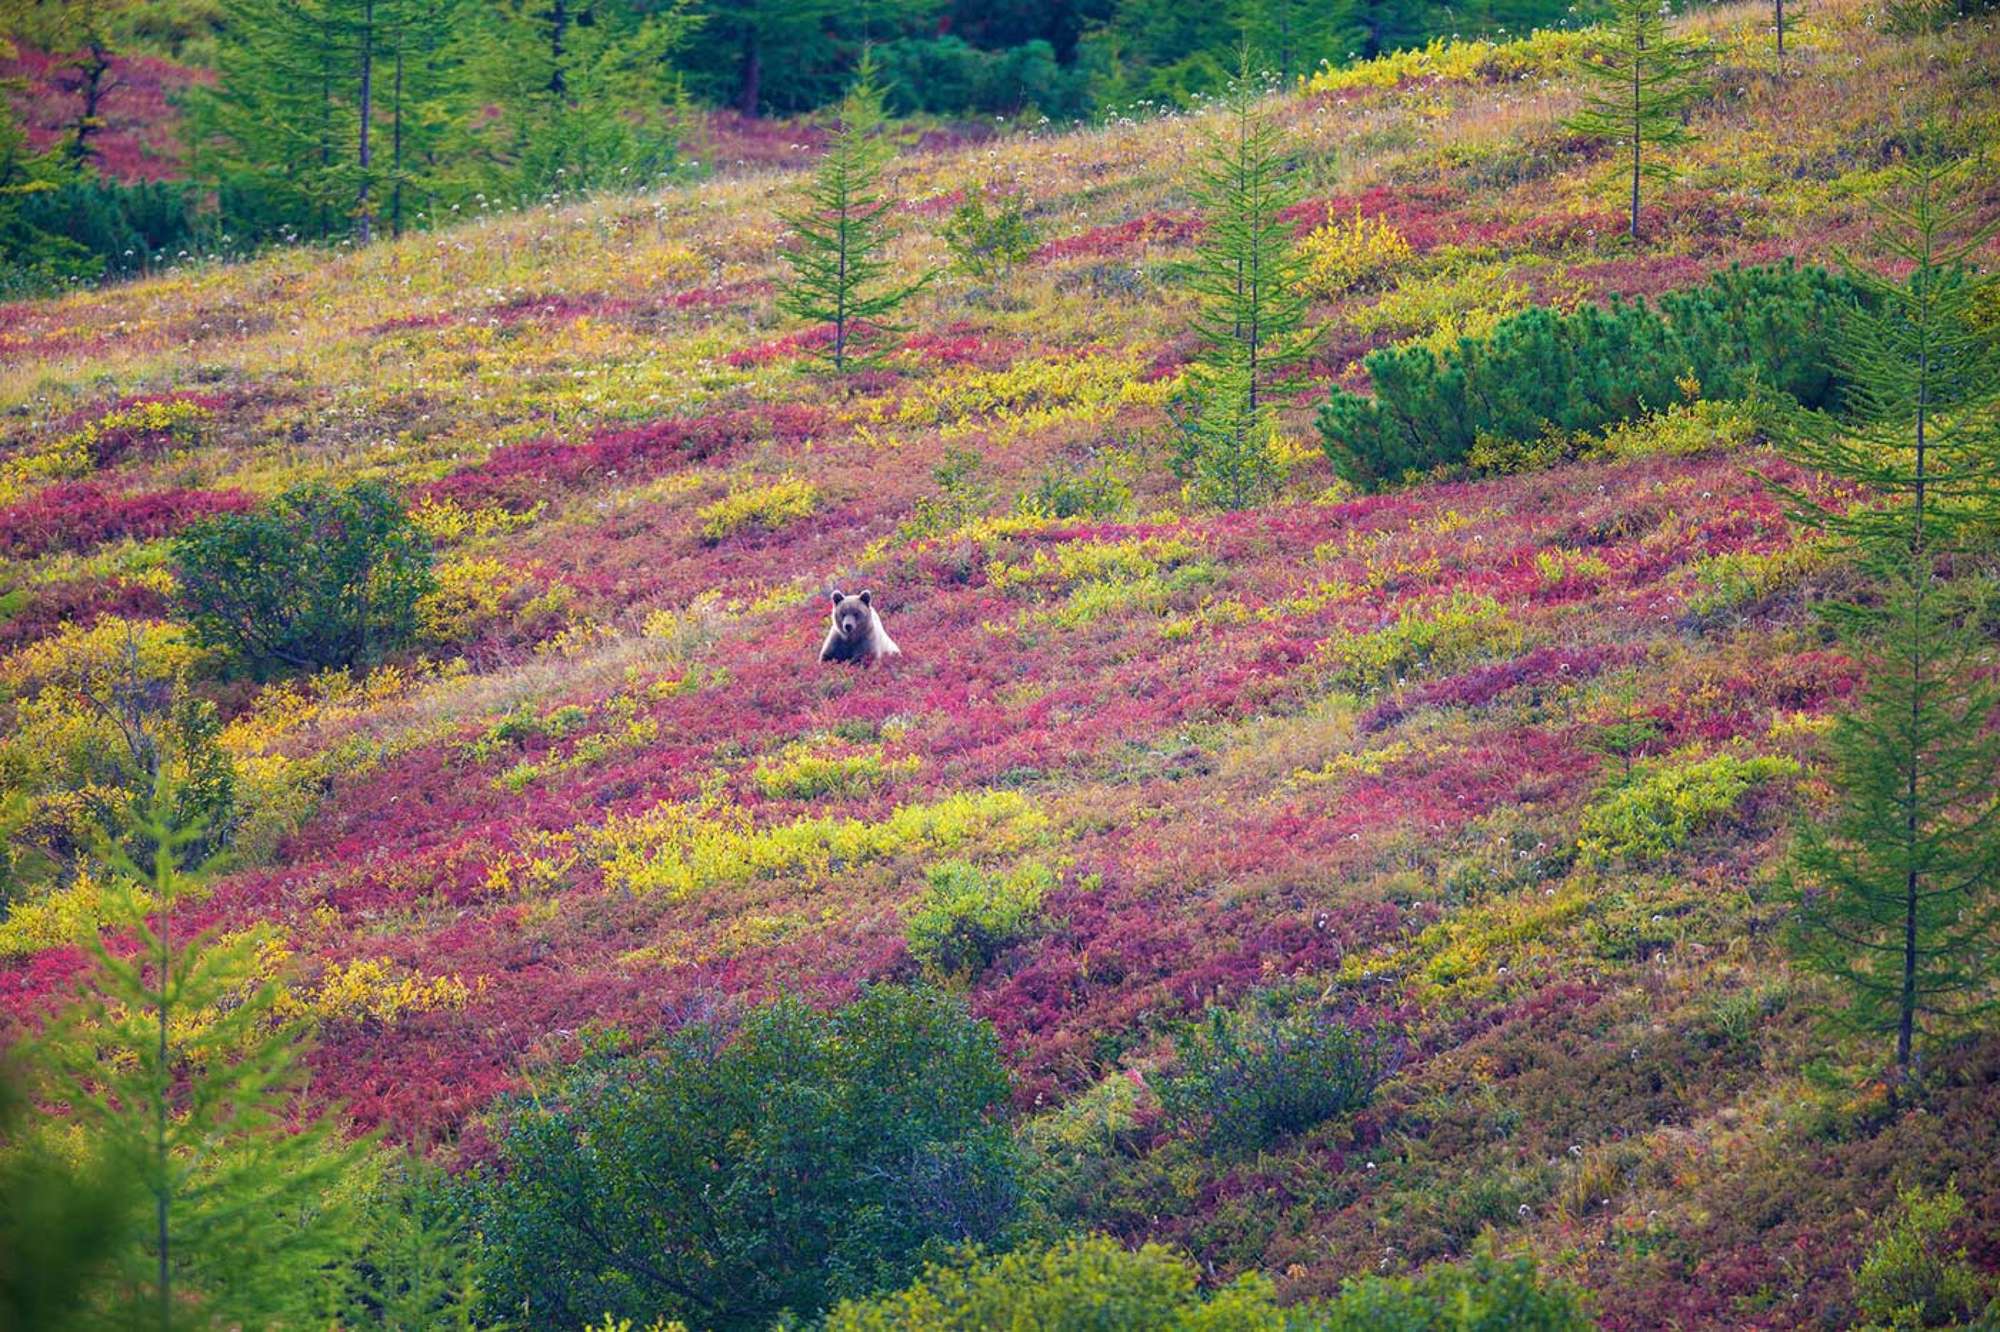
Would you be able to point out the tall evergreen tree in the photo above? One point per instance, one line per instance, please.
(584, 90)
(181, 1075)
(1640, 85)
(1902, 885)
(1250, 312)
(839, 239)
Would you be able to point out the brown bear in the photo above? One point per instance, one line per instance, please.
(857, 633)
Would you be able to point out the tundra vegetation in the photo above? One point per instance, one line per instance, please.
(1442, 772)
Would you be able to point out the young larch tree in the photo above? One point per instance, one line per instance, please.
(177, 1065)
(1639, 88)
(838, 251)
(1250, 313)
(1900, 887)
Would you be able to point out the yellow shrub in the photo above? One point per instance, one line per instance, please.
(770, 507)
(684, 849)
(1562, 565)
(804, 771)
(1340, 256)
(372, 990)
(1452, 60)
(70, 456)
(1076, 561)
(75, 658)
(1440, 635)
(64, 917)
(469, 593)
(445, 521)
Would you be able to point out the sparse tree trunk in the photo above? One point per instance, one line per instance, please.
(558, 29)
(93, 65)
(751, 86)
(396, 145)
(364, 223)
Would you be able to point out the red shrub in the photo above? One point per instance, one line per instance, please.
(1149, 229)
(76, 515)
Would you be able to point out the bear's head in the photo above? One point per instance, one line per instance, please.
(851, 614)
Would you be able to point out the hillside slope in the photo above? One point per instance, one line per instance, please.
(1344, 744)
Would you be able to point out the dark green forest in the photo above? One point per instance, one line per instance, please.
(331, 120)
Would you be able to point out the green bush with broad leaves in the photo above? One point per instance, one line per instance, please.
(734, 1177)
(320, 578)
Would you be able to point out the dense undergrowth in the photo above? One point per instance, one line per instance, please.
(1345, 879)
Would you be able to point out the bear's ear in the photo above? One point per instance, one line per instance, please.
(867, 597)
(837, 595)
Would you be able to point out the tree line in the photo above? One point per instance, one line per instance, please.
(337, 119)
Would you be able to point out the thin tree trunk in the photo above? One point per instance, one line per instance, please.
(162, 1185)
(1907, 1019)
(364, 223)
(1780, 6)
(396, 146)
(94, 66)
(751, 86)
(558, 28)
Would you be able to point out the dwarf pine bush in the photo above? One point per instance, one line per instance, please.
(320, 578)
(1543, 370)
(732, 1175)
(1910, 1278)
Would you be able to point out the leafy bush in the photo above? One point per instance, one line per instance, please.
(1070, 493)
(805, 771)
(770, 507)
(1340, 256)
(1736, 579)
(1483, 1294)
(1249, 1076)
(1086, 1283)
(1909, 1279)
(320, 578)
(988, 243)
(1543, 370)
(1442, 634)
(1664, 805)
(1091, 1283)
(725, 1180)
(967, 916)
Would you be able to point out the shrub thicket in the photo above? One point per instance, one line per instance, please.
(1093, 1284)
(967, 916)
(1250, 1076)
(1544, 370)
(809, 1157)
(320, 578)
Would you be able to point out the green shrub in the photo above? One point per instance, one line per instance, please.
(989, 234)
(1736, 579)
(1093, 1284)
(1909, 1279)
(1483, 1294)
(1441, 635)
(319, 578)
(1247, 1077)
(1071, 493)
(726, 1179)
(1574, 373)
(1083, 1284)
(968, 917)
(1665, 804)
